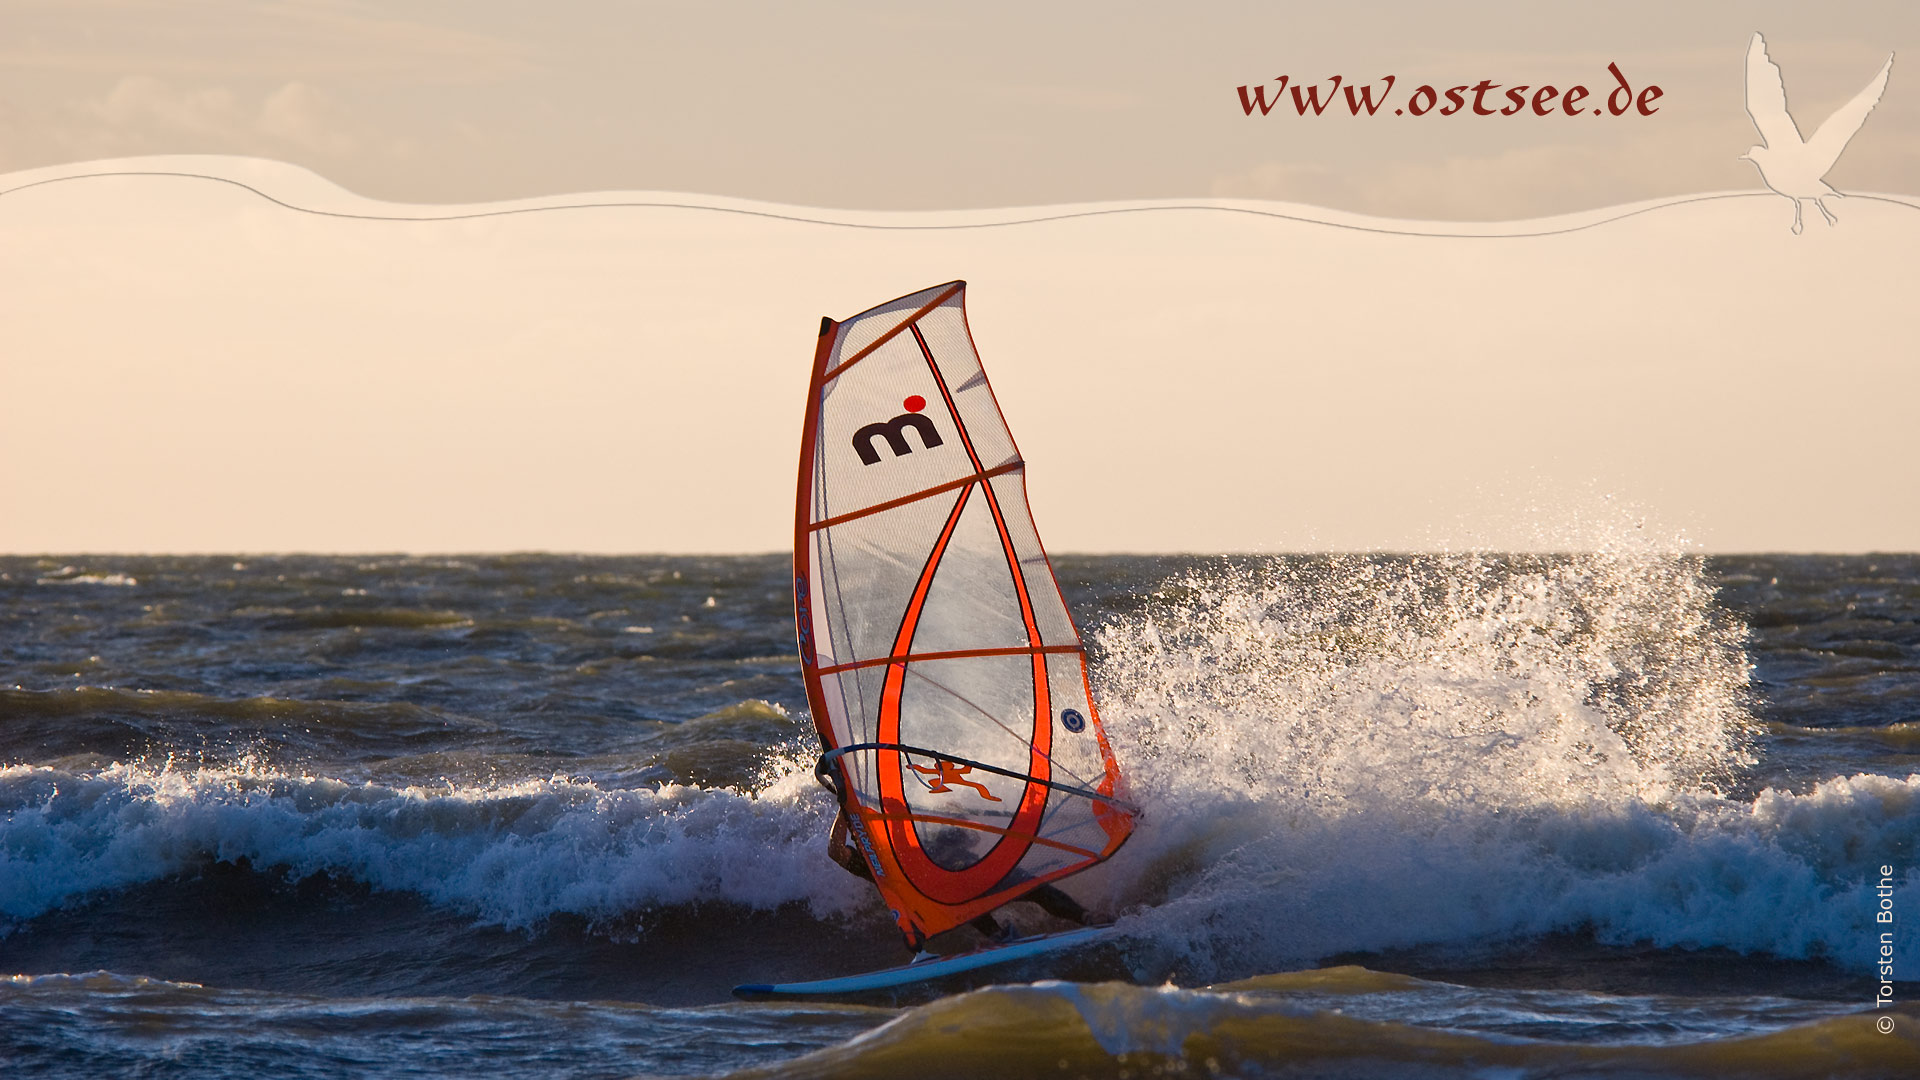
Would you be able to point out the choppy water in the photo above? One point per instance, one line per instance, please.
(1615, 814)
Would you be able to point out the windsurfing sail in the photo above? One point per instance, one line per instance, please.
(946, 678)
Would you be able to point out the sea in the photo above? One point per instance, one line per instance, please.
(1621, 812)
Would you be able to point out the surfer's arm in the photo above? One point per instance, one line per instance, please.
(843, 853)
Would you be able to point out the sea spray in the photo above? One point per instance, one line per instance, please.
(1370, 752)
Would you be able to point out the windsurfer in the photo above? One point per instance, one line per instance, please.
(1049, 899)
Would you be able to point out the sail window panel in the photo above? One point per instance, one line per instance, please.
(1049, 607)
(978, 707)
(953, 847)
(865, 571)
(1075, 754)
(854, 704)
(945, 333)
(820, 626)
(960, 812)
(871, 447)
(838, 704)
(972, 602)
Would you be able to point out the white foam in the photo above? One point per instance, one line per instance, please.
(67, 575)
(1353, 758)
(1366, 756)
(512, 855)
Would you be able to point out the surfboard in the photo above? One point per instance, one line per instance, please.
(930, 970)
(946, 679)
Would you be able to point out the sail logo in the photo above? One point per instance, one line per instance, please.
(866, 440)
(947, 773)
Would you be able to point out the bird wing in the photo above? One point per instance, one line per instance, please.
(1826, 144)
(1767, 99)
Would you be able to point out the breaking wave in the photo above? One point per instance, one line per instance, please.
(512, 855)
(1334, 755)
(1358, 753)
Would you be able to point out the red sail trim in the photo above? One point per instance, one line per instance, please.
(1117, 823)
(936, 882)
(802, 568)
(852, 515)
(953, 654)
(945, 295)
(904, 842)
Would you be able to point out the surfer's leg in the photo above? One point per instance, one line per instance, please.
(987, 925)
(1058, 904)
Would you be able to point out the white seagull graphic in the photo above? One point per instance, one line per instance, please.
(1788, 164)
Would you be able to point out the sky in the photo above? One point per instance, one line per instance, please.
(220, 374)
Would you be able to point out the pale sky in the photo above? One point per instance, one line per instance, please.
(190, 368)
(885, 105)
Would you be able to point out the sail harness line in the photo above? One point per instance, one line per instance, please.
(825, 776)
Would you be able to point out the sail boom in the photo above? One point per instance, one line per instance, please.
(838, 752)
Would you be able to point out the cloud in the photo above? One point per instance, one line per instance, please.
(298, 114)
(245, 39)
(141, 101)
(143, 114)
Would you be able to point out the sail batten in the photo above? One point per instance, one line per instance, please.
(947, 681)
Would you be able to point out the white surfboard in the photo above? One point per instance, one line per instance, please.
(927, 970)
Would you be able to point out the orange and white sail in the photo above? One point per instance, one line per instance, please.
(946, 678)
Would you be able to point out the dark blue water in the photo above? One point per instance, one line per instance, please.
(1605, 814)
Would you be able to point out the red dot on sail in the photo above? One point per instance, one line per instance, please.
(915, 403)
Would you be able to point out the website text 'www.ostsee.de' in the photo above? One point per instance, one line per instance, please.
(1483, 98)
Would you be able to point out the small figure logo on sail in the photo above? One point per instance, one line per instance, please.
(945, 772)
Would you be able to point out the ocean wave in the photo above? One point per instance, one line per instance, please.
(1119, 1030)
(68, 575)
(1345, 756)
(1368, 754)
(511, 855)
(1232, 893)
(108, 981)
